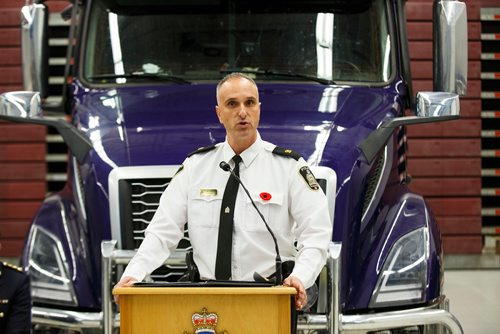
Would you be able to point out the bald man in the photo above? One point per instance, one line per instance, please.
(229, 239)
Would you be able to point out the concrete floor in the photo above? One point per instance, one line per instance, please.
(475, 299)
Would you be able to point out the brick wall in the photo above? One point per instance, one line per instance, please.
(22, 147)
(445, 158)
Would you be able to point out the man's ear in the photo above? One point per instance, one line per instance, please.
(217, 111)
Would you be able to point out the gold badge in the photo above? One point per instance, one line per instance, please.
(208, 192)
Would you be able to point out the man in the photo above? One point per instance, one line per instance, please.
(281, 185)
(15, 300)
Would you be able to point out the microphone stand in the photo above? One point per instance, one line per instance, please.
(279, 275)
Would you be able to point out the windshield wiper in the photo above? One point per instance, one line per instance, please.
(270, 73)
(143, 76)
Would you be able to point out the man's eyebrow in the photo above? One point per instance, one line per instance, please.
(247, 98)
(231, 99)
(251, 98)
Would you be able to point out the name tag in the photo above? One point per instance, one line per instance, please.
(208, 192)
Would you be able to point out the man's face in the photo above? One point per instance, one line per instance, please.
(238, 108)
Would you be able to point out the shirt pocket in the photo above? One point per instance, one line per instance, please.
(204, 208)
(270, 204)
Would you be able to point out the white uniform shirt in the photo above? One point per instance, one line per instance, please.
(195, 195)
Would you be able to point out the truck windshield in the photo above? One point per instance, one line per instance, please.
(187, 41)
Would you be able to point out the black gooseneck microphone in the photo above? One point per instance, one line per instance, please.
(279, 276)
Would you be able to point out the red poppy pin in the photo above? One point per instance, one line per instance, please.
(265, 196)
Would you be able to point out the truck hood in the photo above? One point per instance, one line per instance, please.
(160, 125)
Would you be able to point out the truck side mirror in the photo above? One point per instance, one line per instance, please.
(437, 104)
(450, 47)
(431, 107)
(34, 42)
(25, 105)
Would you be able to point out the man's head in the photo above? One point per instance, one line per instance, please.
(238, 109)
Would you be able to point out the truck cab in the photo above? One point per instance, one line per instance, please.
(335, 85)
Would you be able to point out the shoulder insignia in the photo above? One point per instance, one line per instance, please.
(178, 171)
(308, 176)
(202, 150)
(286, 153)
(8, 265)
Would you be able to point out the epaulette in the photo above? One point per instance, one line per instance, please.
(286, 153)
(202, 150)
(8, 265)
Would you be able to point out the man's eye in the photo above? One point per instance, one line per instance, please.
(250, 103)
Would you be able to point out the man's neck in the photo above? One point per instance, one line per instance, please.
(241, 145)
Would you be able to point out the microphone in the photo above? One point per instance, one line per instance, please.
(225, 167)
(279, 276)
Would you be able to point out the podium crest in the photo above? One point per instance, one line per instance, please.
(205, 323)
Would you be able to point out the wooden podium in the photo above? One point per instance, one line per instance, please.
(220, 310)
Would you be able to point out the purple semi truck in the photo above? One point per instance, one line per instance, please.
(335, 81)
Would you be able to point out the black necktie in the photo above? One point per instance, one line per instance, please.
(225, 241)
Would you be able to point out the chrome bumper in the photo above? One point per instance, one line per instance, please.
(385, 320)
(69, 320)
(72, 320)
(333, 321)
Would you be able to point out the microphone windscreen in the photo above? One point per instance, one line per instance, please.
(224, 166)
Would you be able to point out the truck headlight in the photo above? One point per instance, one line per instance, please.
(47, 267)
(404, 275)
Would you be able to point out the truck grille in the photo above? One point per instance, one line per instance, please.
(136, 203)
(140, 199)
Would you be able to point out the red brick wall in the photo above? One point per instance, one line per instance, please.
(22, 147)
(445, 158)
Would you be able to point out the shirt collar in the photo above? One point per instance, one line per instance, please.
(247, 155)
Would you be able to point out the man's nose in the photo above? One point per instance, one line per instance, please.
(242, 111)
